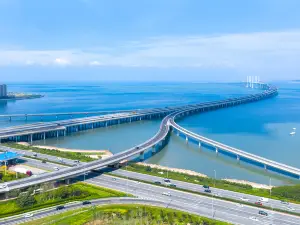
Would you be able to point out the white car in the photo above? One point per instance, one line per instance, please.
(27, 215)
(3, 186)
(253, 218)
(289, 208)
(56, 168)
(244, 199)
(166, 194)
(239, 205)
(217, 195)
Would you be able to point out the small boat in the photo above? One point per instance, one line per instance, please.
(293, 133)
(294, 128)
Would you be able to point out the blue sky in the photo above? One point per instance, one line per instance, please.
(191, 40)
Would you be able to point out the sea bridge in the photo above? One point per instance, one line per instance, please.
(153, 144)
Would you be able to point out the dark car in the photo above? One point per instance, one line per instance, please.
(262, 213)
(206, 186)
(157, 182)
(167, 180)
(86, 203)
(172, 185)
(44, 161)
(207, 190)
(137, 147)
(60, 207)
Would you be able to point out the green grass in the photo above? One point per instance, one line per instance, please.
(10, 176)
(69, 155)
(278, 193)
(125, 215)
(76, 192)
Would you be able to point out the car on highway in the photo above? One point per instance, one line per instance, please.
(207, 190)
(137, 147)
(217, 195)
(253, 218)
(3, 186)
(60, 207)
(289, 208)
(258, 203)
(263, 213)
(28, 215)
(171, 185)
(86, 203)
(167, 180)
(262, 199)
(114, 178)
(76, 161)
(157, 182)
(34, 154)
(244, 199)
(56, 168)
(166, 194)
(205, 186)
(239, 205)
(284, 202)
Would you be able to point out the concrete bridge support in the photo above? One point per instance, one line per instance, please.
(199, 145)
(265, 167)
(238, 158)
(217, 150)
(153, 149)
(186, 140)
(142, 156)
(31, 139)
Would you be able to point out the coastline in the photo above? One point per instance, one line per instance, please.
(193, 173)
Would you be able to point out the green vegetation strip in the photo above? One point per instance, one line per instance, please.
(69, 155)
(75, 192)
(10, 175)
(125, 215)
(285, 193)
(209, 195)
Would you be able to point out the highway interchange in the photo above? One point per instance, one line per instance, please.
(150, 194)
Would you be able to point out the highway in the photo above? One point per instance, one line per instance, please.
(27, 153)
(159, 137)
(201, 205)
(182, 185)
(215, 191)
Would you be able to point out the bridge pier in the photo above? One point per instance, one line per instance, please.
(142, 156)
(186, 140)
(178, 133)
(153, 149)
(199, 145)
(265, 167)
(217, 150)
(67, 181)
(31, 139)
(238, 158)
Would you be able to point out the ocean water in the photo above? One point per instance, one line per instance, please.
(261, 128)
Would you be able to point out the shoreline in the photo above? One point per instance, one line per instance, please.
(102, 153)
(193, 173)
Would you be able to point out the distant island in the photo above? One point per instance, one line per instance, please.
(20, 96)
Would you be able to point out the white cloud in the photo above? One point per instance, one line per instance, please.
(263, 51)
(61, 61)
(95, 63)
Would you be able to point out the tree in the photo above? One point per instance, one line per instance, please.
(25, 200)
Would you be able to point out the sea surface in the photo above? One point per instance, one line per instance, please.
(261, 128)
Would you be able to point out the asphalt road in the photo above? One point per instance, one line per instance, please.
(201, 205)
(206, 206)
(56, 159)
(215, 191)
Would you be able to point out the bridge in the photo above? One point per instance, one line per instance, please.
(155, 143)
(71, 114)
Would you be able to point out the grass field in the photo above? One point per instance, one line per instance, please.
(125, 215)
(75, 192)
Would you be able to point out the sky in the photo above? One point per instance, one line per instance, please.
(147, 40)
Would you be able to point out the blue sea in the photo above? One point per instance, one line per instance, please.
(261, 128)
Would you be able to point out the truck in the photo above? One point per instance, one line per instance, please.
(262, 199)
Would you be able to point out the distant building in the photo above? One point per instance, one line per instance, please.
(3, 90)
